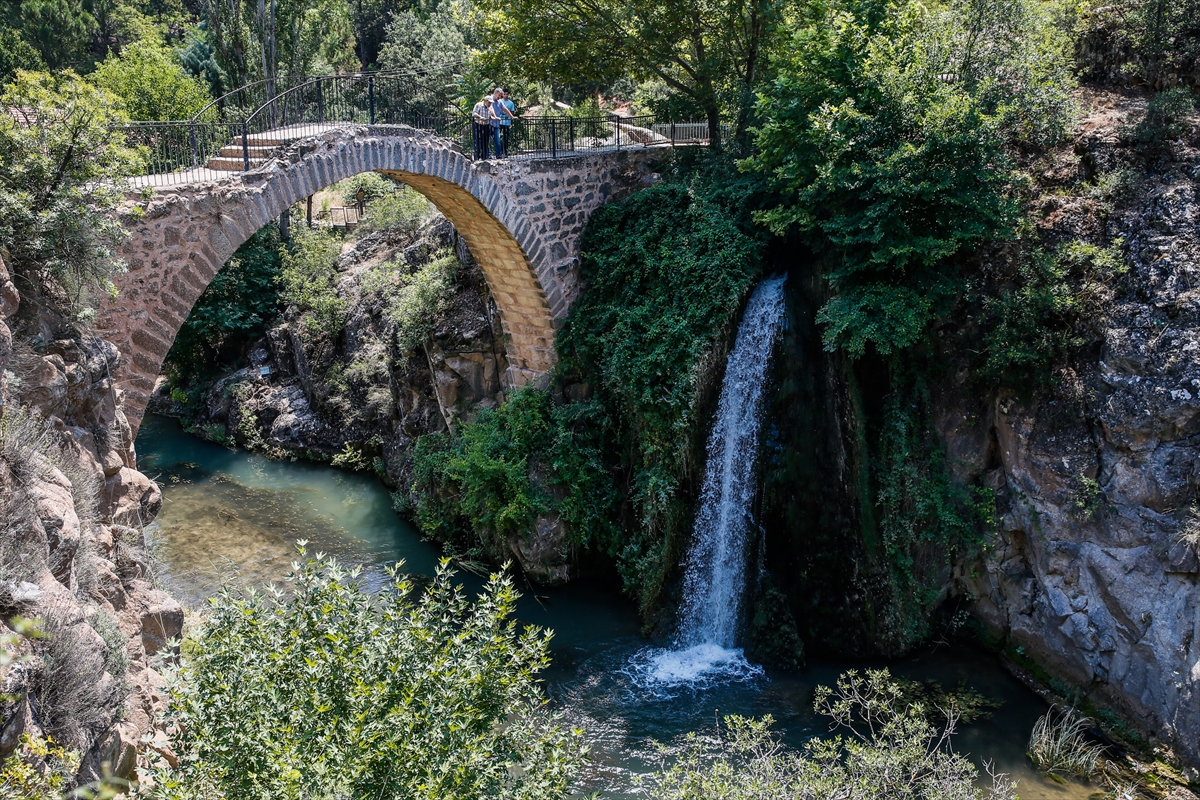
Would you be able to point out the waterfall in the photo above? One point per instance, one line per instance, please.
(715, 577)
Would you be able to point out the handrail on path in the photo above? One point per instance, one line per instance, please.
(246, 137)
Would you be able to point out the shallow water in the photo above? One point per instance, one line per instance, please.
(233, 517)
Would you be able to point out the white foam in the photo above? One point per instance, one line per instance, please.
(695, 667)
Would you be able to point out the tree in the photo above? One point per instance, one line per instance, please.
(432, 48)
(151, 83)
(712, 52)
(892, 751)
(237, 307)
(888, 135)
(60, 170)
(327, 690)
(60, 30)
(15, 54)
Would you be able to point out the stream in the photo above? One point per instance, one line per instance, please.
(233, 518)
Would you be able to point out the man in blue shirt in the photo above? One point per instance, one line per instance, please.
(501, 119)
(507, 120)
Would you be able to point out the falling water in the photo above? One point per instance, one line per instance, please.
(715, 580)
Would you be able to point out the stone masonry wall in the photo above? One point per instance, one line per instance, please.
(521, 220)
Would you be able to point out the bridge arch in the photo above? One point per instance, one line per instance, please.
(520, 219)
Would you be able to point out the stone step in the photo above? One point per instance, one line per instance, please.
(233, 164)
(235, 151)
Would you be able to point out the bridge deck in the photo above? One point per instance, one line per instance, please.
(282, 137)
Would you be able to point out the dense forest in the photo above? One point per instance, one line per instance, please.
(893, 157)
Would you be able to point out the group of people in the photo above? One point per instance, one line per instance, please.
(493, 117)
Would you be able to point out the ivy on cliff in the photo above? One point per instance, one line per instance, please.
(488, 479)
(667, 270)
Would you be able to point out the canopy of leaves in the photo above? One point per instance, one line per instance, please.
(710, 51)
(308, 282)
(15, 54)
(151, 83)
(327, 690)
(60, 167)
(887, 137)
(60, 31)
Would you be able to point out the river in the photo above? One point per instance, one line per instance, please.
(231, 517)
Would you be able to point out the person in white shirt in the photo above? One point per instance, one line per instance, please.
(481, 117)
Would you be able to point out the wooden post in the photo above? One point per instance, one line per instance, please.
(308, 211)
(285, 233)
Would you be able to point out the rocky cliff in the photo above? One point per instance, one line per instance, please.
(364, 401)
(72, 552)
(1092, 570)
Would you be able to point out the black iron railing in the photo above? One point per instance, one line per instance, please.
(245, 128)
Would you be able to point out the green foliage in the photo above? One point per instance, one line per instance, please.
(886, 136)
(15, 54)
(884, 749)
(60, 171)
(666, 271)
(398, 208)
(151, 83)
(710, 54)
(60, 31)
(239, 304)
(1037, 316)
(1166, 120)
(486, 481)
(308, 281)
(432, 45)
(415, 300)
(926, 518)
(39, 769)
(342, 692)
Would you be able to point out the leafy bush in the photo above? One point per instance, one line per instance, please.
(82, 689)
(308, 279)
(39, 769)
(478, 481)
(887, 750)
(1037, 317)
(235, 309)
(415, 300)
(151, 83)
(402, 209)
(887, 135)
(666, 271)
(1166, 120)
(60, 172)
(1059, 743)
(343, 692)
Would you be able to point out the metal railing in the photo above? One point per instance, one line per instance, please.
(245, 128)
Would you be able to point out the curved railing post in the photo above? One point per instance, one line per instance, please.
(245, 146)
(371, 95)
(320, 101)
(192, 141)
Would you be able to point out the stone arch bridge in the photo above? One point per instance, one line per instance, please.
(521, 220)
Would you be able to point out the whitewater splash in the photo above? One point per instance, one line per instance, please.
(715, 580)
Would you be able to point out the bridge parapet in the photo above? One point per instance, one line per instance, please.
(521, 220)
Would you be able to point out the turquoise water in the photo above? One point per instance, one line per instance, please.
(231, 517)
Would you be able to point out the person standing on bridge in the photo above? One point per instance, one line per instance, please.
(498, 112)
(481, 117)
(504, 112)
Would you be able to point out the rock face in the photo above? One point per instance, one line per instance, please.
(1094, 569)
(72, 553)
(364, 404)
